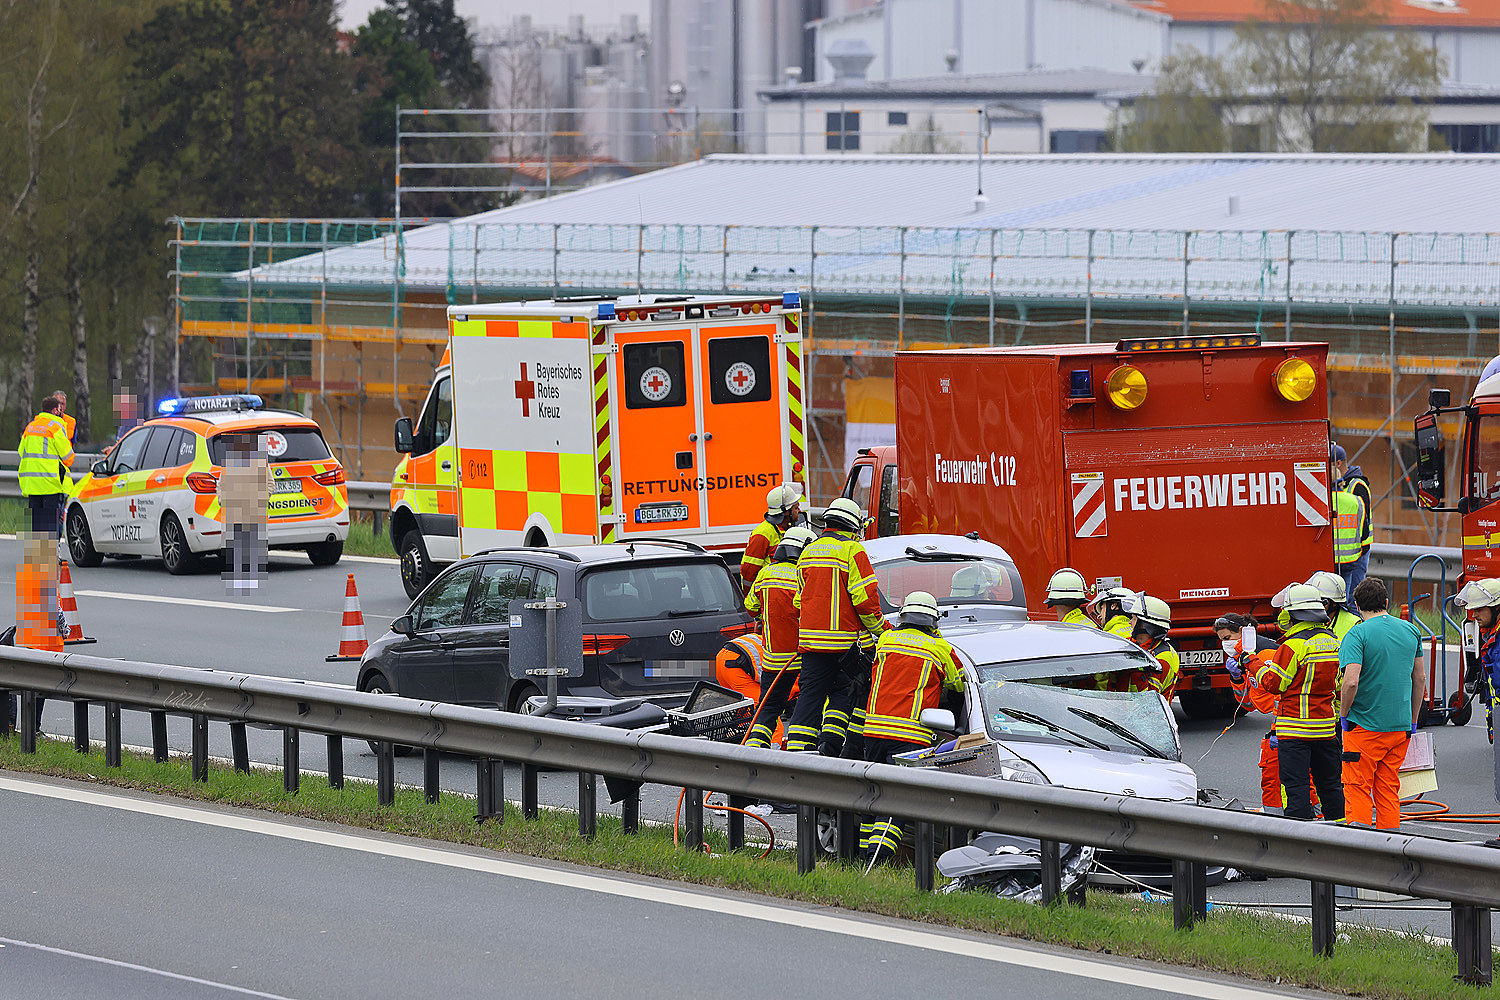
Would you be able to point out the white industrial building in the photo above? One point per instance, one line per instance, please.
(924, 38)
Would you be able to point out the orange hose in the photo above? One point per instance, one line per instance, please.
(1433, 811)
(677, 818)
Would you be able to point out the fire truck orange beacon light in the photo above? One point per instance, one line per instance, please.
(1295, 380)
(1126, 387)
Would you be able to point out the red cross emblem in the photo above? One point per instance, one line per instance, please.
(740, 378)
(656, 384)
(525, 391)
(132, 508)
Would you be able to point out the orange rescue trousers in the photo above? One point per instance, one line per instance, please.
(1372, 777)
(1272, 795)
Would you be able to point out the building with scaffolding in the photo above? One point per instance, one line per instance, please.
(1378, 255)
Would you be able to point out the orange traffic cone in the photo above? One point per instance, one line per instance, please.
(352, 642)
(68, 622)
(36, 608)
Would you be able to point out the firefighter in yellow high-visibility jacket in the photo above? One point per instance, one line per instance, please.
(783, 509)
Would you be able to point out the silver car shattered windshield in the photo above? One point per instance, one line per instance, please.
(1044, 703)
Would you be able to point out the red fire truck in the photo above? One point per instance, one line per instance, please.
(1479, 471)
(1192, 468)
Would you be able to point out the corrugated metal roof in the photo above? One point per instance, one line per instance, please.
(1408, 13)
(762, 207)
(1082, 82)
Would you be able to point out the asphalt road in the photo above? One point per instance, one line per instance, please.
(139, 612)
(229, 904)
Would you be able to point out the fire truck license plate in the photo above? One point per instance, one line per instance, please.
(286, 486)
(1202, 657)
(659, 513)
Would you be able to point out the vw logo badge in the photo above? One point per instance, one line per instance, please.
(677, 638)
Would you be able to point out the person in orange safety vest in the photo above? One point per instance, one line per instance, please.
(1242, 666)
(773, 600)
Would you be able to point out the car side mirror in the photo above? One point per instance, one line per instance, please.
(402, 625)
(939, 719)
(1431, 462)
(404, 441)
(99, 468)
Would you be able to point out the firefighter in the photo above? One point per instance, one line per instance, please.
(783, 509)
(739, 664)
(1241, 665)
(1482, 600)
(1150, 633)
(1351, 479)
(1067, 593)
(836, 600)
(1335, 601)
(914, 666)
(772, 600)
(1304, 674)
(1109, 611)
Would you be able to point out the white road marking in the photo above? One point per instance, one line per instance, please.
(194, 602)
(242, 991)
(888, 934)
(387, 560)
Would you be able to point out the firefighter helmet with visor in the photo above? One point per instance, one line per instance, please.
(1067, 585)
(844, 514)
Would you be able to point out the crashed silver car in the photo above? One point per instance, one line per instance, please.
(973, 580)
(1035, 716)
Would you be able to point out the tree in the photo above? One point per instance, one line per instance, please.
(435, 28)
(926, 138)
(1306, 76)
(247, 107)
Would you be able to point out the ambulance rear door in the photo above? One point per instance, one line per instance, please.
(523, 415)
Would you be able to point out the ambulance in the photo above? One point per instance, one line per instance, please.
(157, 491)
(1194, 469)
(600, 419)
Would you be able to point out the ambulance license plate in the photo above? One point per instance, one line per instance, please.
(661, 513)
(286, 486)
(1202, 657)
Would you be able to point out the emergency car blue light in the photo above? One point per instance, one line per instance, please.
(606, 310)
(791, 300)
(1081, 383)
(207, 404)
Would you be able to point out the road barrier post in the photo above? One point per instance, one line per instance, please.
(111, 734)
(1189, 893)
(430, 775)
(926, 855)
(159, 737)
(200, 747)
(81, 726)
(335, 761)
(239, 745)
(28, 722)
(630, 812)
(291, 758)
(1324, 928)
(588, 805)
(529, 808)
(692, 819)
(734, 822)
(1471, 940)
(6, 707)
(847, 823)
(490, 794)
(385, 773)
(807, 839)
(1051, 852)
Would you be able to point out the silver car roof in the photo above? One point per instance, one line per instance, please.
(1006, 642)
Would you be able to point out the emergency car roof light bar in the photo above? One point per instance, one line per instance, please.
(1187, 343)
(791, 300)
(606, 310)
(209, 404)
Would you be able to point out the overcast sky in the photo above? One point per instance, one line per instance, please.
(498, 13)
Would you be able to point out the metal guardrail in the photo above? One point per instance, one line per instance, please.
(1465, 875)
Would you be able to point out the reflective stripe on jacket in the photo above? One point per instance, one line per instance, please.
(1348, 527)
(836, 593)
(758, 550)
(1304, 673)
(1360, 487)
(911, 669)
(738, 665)
(773, 600)
(44, 454)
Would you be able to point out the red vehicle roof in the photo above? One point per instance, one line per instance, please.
(1407, 13)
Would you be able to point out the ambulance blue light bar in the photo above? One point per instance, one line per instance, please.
(606, 310)
(209, 404)
(791, 300)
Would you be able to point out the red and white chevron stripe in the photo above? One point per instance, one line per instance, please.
(1310, 487)
(1089, 509)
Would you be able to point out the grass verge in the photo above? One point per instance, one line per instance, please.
(13, 517)
(1257, 946)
